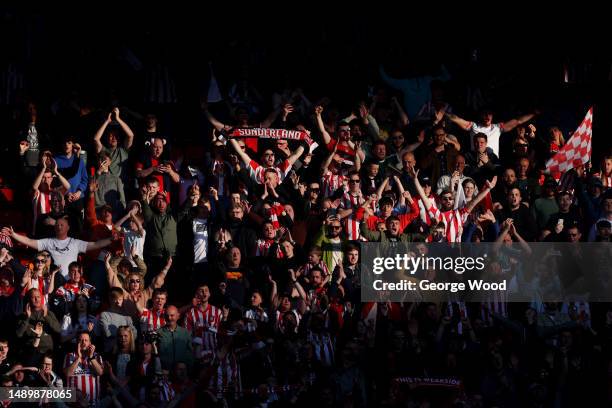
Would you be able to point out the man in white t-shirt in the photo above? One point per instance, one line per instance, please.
(62, 248)
(486, 126)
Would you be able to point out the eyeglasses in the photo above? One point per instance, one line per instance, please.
(40, 261)
(134, 280)
(354, 181)
(449, 198)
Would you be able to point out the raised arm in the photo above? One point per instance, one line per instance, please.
(506, 226)
(51, 286)
(400, 111)
(111, 274)
(415, 176)
(326, 136)
(98, 136)
(295, 155)
(129, 135)
(245, 157)
(123, 219)
(213, 121)
(400, 187)
(512, 123)
(524, 245)
(158, 281)
(22, 239)
(267, 122)
(103, 243)
(297, 285)
(39, 178)
(462, 123)
(489, 186)
(382, 188)
(358, 156)
(328, 161)
(64, 182)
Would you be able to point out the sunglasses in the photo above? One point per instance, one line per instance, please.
(354, 181)
(40, 261)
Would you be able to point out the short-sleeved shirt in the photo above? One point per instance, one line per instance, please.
(63, 251)
(453, 221)
(119, 158)
(84, 378)
(493, 133)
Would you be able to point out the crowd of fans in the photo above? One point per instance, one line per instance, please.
(146, 272)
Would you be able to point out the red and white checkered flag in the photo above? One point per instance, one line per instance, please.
(576, 151)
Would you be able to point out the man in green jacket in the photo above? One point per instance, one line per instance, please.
(392, 232)
(175, 343)
(161, 240)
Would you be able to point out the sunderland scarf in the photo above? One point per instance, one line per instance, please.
(265, 133)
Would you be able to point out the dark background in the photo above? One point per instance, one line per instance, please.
(78, 53)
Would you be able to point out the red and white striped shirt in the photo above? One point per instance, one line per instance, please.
(308, 267)
(453, 221)
(330, 183)
(41, 204)
(203, 326)
(84, 377)
(351, 224)
(151, 320)
(257, 171)
(279, 320)
(423, 210)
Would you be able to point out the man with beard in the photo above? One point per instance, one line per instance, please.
(452, 219)
(257, 172)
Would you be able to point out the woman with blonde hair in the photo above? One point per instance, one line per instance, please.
(124, 352)
(136, 295)
(38, 276)
(555, 140)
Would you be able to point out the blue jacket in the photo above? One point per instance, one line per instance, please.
(75, 172)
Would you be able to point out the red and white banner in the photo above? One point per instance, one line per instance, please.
(265, 133)
(577, 150)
